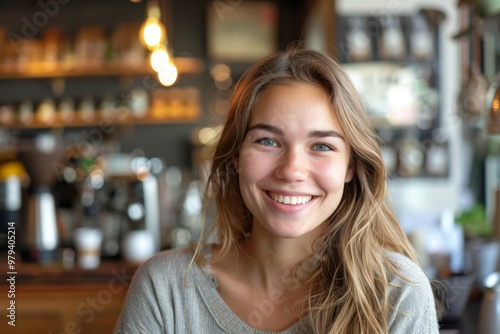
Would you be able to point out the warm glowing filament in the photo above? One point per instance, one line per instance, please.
(168, 75)
(153, 33)
(159, 59)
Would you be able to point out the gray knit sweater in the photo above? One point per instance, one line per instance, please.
(160, 300)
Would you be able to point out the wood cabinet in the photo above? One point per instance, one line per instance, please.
(60, 301)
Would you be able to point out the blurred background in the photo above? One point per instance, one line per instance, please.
(108, 111)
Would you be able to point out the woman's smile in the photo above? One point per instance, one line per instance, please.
(289, 200)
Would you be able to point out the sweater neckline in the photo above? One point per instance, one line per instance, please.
(221, 312)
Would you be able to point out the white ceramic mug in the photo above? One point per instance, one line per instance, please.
(88, 247)
(138, 246)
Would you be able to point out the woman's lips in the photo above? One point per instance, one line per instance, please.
(289, 200)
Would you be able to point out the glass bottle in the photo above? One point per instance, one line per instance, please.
(436, 159)
(410, 155)
(358, 41)
(421, 40)
(392, 39)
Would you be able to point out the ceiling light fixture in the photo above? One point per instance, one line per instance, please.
(153, 36)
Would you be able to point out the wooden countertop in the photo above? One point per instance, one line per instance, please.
(37, 273)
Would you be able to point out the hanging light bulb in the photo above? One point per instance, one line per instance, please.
(152, 32)
(168, 75)
(159, 58)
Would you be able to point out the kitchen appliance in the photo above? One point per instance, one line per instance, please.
(42, 157)
(133, 196)
(489, 315)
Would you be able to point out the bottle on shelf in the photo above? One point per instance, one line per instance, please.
(26, 112)
(46, 111)
(359, 47)
(436, 158)
(67, 110)
(107, 107)
(87, 109)
(6, 114)
(411, 155)
(421, 39)
(392, 40)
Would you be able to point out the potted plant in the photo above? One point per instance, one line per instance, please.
(482, 250)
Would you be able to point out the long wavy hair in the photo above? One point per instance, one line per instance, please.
(348, 273)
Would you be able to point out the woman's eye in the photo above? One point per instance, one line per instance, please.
(267, 142)
(322, 147)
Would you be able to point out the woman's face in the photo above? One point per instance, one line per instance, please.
(294, 161)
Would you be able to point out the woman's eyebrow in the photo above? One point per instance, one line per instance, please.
(326, 133)
(266, 127)
(313, 134)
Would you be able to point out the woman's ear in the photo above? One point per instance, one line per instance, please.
(349, 175)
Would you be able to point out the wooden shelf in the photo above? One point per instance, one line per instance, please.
(104, 122)
(63, 70)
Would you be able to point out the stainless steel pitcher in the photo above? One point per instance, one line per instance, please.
(489, 319)
(43, 159)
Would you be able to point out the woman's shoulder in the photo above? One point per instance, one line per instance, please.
(407, 281)
(170, 262)
(410, 296)
(171, 257)
(406, 268)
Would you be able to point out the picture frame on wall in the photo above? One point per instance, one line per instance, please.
(241, 31)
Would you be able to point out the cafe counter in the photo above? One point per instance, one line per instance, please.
(53, 299)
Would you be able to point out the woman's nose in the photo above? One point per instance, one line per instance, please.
(292, 166)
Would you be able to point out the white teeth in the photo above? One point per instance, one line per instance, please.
(290, 200)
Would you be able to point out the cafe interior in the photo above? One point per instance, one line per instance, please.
(109, 110)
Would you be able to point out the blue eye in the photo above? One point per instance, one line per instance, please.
(267, 142)
(322, 147)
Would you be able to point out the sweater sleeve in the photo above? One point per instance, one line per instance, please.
(413, 309)
(141, 311)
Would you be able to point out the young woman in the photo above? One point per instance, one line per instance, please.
(306, 239)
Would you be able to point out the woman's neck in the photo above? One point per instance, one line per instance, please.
(269, 261)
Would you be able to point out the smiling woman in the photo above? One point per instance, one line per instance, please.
(306, 240)
(293, 162)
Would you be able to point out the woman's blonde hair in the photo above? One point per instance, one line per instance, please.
(347, 274)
